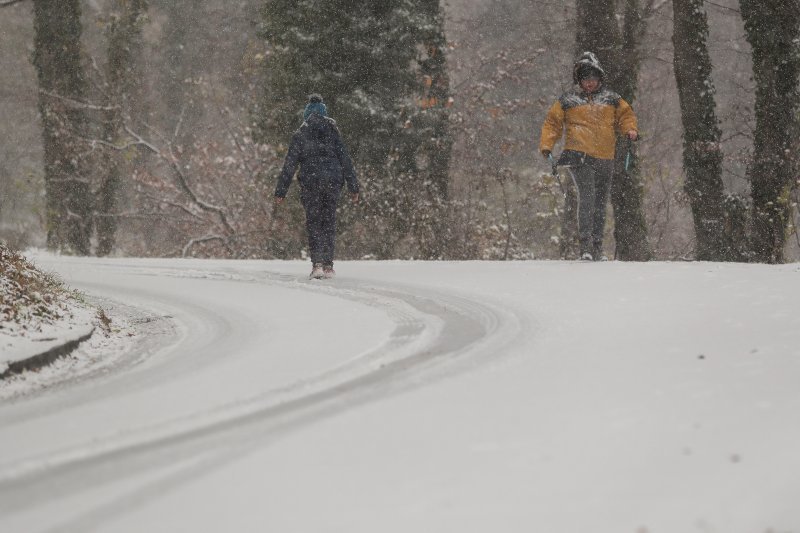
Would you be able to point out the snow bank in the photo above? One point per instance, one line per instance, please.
(40, 319)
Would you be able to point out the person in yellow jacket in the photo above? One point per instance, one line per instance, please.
(592, 117)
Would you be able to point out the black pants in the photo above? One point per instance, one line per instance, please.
(592, 178)
(320, 203)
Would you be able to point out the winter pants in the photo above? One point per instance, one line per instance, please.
(320, 204)
(592, 178)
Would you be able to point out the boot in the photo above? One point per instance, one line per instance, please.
(316, 272)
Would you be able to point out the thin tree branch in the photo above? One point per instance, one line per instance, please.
(100, 76)
(723, 7)
(200, 240)
(6, 3)
(133, 215)
(235, 139)
(142, 142)
(78, 104)
(183, 183)
(117, 147)
(180, 123)
(507, 209)
(737, 134)
(180, 207)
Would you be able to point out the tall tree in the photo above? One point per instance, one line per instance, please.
(436, 100)
(62, 88)
(184, 51)
(124, 45)
(702, 153)
(773, 31)
(617, 49)
(432, 124)
(364, 58)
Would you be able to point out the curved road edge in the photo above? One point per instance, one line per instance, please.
(46, 357)
(463, 328)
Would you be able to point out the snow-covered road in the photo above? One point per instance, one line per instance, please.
(530, 396)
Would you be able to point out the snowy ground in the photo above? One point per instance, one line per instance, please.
(78, 322)
(39, 317)
(433, 397)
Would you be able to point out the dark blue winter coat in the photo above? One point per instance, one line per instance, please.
(318, 148)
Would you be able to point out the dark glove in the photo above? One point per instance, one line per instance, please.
(546, 153)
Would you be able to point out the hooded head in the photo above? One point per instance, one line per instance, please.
(587, 66)
(315, 105)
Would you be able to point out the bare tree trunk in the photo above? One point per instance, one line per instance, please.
(702, 155)
(617, 50)
(62, 83)
(627, 188)
(124, 44)
(433, 69)
(773, 31)
(435, 120)
(598, 32)
(183, 50)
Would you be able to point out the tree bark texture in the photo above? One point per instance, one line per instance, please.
(62, 85)
(124, 45)
(434, 123)
(599, 32)
(184, 52)
(702, 155)
(773, 31)
(617, 50)
(436, 97)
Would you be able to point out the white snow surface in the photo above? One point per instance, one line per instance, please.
(35, 323)
(554, 397)
(17, 345)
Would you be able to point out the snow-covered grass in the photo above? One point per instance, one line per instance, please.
(28, 297)
(37, 311)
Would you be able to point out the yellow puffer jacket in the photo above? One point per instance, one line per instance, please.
(592, 122)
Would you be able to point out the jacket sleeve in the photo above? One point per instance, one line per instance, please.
(289, 167)
(347, 164)
(553, 127)
(625, 118)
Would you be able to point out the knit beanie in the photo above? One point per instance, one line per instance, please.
(315, 105)
(587, 66)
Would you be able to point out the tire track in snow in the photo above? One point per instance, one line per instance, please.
(436, 335)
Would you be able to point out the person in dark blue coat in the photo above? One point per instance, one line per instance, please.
(325, 166)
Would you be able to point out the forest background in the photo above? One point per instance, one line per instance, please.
(178, 149)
